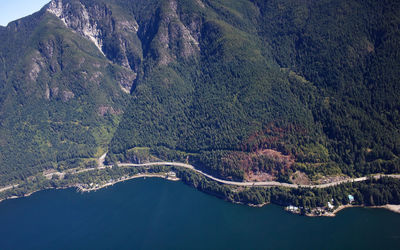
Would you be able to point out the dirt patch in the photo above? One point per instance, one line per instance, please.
(261, 165)
(280, 162)
(277, 156)
(259, 176)
(265, 154)
(330, 179)
(300, 178)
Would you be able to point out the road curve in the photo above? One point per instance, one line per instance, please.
(253, 184)
(233, 183)
(7, 188)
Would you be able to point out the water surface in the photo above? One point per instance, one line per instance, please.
(159, 214)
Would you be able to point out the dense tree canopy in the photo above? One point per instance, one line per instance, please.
(244, 89)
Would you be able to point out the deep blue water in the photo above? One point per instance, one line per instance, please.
(159, 214)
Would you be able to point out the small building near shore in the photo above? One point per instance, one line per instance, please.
(292, 208)
(171, 174)
(351, 198)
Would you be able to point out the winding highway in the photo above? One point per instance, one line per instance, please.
(251, 184)
(191, 167)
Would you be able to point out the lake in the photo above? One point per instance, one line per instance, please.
(159, 214)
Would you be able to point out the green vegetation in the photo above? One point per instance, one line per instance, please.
(239, 88)
(370, 193)
(59, 104)
(306, 79)
(39, 182)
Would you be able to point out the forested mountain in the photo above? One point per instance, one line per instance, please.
(288, 90)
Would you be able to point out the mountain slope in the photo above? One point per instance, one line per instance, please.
(60, 97)
(296, 91)
(278, 89)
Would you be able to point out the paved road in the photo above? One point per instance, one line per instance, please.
(234, 183)
(7, 188)
(251, 184)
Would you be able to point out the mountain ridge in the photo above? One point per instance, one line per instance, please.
(244, 90)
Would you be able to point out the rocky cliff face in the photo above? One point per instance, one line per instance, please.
(116, 36)
(112, 35)
(75, 16)
(176, 40)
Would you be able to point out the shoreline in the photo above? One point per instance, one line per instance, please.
(162, 176)
(391, 207)
(81, 189)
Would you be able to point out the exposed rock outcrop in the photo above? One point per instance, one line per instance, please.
(76, 17)
(112, 35)
(36, 66)
(67, 95)
(175, 39)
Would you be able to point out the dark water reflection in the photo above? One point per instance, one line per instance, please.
(158, 214)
